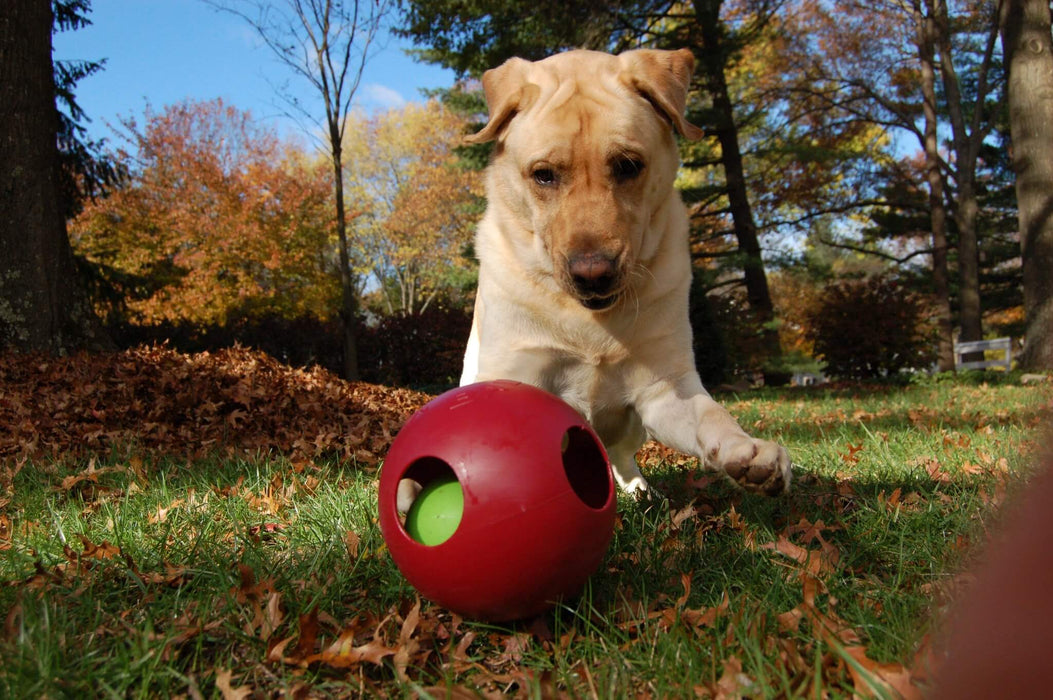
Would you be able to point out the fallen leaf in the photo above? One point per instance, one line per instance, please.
(229, 692)
(875, 678)
(352, 542)
(408, 645)
(816, 563)
(733, 682)
(685, 581)
(103, 550)
(852, 456)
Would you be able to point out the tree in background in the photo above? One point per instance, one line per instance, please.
(1029, 56)
(946, 78)
(217, 219)
(327, 45)
(42, 305)
(419, 205)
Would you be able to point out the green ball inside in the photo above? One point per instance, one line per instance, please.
(436, 512)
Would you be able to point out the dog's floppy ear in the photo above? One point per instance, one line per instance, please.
(507, 92)
(663, 78)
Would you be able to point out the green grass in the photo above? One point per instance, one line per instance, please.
(208, 566)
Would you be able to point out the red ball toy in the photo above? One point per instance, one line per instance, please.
(538, 500)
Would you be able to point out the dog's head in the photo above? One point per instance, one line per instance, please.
(585, 159)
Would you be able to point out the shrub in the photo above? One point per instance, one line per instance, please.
(872, 328)
(423, 351)
(299, 342)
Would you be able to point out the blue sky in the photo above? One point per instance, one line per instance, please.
(160, 52)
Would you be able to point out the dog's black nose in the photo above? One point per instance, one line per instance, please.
(592, 273)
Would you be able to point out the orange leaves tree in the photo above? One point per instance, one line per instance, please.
(419, 207)
(219, 218)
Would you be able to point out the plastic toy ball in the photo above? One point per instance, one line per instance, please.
(517, 503)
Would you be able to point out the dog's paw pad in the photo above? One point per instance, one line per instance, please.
(766, 471)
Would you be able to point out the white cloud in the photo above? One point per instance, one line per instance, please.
(381, 96)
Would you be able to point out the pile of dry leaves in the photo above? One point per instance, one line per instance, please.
(231, 401)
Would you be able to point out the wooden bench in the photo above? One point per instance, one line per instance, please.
(995, 344)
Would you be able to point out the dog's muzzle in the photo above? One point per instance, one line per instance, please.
(595, 279)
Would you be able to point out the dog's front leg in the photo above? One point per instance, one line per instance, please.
(683, 416)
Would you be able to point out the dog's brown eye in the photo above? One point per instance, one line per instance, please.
(625, 169)
(546, 177)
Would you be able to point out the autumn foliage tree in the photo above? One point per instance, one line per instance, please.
(419, 207)
(218, 218)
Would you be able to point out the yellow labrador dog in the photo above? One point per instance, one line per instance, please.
(585, 269)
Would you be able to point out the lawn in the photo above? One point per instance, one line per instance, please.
(205, 526)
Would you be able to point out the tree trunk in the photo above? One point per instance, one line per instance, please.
(1028, 50)
(349, 299)
(937, 204)
(969, 307)
(966, 144)
(712, 59)
(42, 307)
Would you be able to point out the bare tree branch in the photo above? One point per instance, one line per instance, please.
(876, 253)
(327, 44)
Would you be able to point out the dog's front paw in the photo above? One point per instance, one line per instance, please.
(755, 465)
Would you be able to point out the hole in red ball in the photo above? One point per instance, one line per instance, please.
(586, 467)
(430, 501)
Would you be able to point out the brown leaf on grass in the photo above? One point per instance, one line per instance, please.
(248, 590)
(343, 653)
(88, 476)
(306, 638)
(692, 618)
(346, 651)
(272, 616)
(459, 661)
(935, 470)
(308, 634)
(229, 692)
(408, 644)
(12, 621)
(513, 647)
(352, 542)
(103, 550)
(878, 679)
(705, 617)
(263, 601)
(5, 532)
(678, 517)
(852, 456)
(810, 531)
(816, 563)
(733, 683)
(162, 512)
(825, 624)
(173, 576)
(685, 581)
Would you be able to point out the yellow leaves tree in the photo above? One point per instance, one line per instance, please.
(219, 218)
(419, 208)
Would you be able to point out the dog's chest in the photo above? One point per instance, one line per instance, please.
(594, 384)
